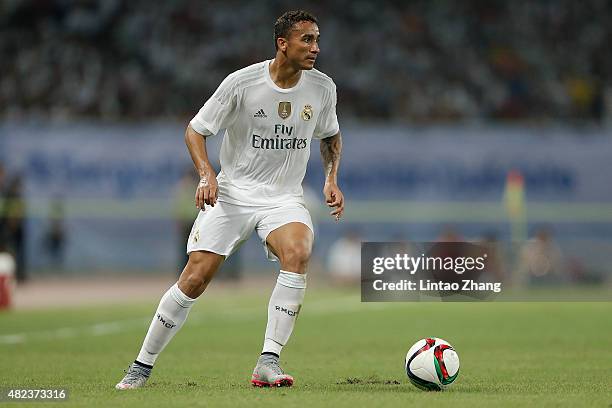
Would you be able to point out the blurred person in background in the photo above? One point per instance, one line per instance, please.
(55, 236)
(271, 112)
(541, 260)
(14, 213)
(7, 273)
(3, 231)
(344, 259)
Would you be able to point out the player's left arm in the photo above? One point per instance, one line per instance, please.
(331, 150)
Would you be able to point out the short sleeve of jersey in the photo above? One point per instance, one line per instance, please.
(219, 112)
(327, 124)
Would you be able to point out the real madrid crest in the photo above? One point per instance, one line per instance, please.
(284, 109)
(307, 112)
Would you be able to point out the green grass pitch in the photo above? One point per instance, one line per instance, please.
(343, 353)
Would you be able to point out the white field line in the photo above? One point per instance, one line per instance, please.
(61, 333)
(345, 304)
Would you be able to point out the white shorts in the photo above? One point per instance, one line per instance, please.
(223, 228)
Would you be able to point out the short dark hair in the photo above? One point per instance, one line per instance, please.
(284, 24)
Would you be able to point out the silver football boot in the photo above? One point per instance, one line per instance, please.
(135, 377)
(267, 373)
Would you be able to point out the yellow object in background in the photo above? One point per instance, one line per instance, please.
(514, 199)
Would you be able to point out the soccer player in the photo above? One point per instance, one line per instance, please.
(270, 111)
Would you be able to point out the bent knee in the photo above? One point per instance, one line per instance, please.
(296, 255)
(198, 272)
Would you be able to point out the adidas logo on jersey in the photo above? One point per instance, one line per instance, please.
(260, 114)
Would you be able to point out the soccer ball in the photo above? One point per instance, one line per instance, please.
(432, 364)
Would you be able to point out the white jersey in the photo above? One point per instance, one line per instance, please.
(269, 129)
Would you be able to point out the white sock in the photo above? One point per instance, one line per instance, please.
(283, 310)
(168, 319)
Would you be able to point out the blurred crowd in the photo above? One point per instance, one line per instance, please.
(415, 61)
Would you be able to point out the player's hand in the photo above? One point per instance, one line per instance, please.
(207, 190)
(335, 199)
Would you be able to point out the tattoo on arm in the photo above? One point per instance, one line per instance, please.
(331, 150)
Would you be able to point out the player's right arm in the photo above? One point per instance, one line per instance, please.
(207, 190)
(219, 112)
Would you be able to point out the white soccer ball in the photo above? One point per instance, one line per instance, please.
(432, 364)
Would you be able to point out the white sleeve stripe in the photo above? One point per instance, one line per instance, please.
(226, 94)
(244, 80)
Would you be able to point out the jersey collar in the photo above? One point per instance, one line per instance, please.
(276, 87)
